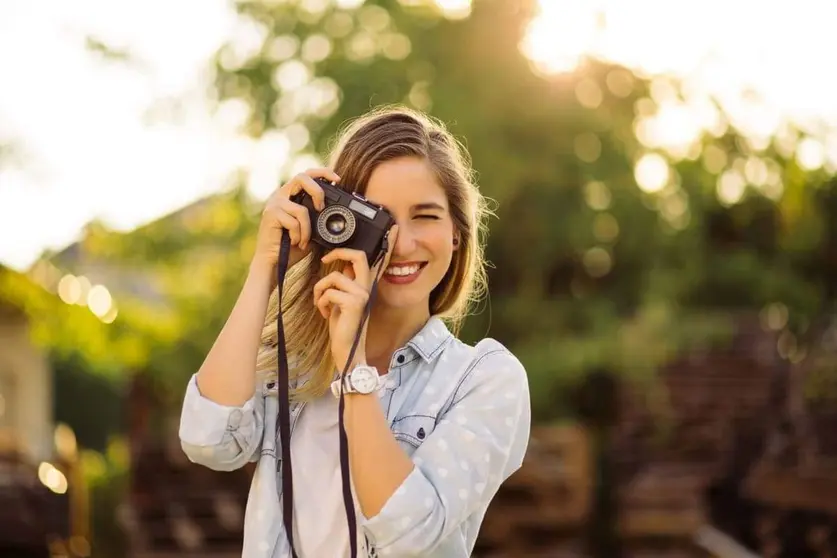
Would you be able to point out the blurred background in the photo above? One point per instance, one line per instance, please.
(664, 253)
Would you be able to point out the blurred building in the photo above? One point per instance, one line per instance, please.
(34, 503)
(172, 507)
(25, 382)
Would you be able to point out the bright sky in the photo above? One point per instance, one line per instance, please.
(90, 154)
(781, 48)
(80, 120)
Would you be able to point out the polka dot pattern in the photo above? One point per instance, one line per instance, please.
(461, 413)
(478, 440)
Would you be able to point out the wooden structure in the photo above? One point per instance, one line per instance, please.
(793, 485)
(669, 464)
(33, 519)
(178, 509)
(543, 510)
(738, 458)
(540, 508)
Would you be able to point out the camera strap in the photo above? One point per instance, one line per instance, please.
(283, 417)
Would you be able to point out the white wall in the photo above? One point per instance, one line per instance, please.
(26, 388)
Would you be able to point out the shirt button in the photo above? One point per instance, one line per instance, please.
(400, 359)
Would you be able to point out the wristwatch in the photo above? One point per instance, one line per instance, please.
(362, 379)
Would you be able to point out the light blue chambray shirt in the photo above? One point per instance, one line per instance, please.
(461, 413)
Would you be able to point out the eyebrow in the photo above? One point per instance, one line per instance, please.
(428, 206)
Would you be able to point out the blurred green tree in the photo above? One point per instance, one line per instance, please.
(608, 249)
(588, 268)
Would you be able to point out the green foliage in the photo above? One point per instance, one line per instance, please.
(587, 269)
(107, 477)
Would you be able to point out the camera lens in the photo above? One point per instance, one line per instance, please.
(336, 224)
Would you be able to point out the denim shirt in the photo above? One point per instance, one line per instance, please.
(461, 413)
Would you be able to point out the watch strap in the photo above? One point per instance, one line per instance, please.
(348, 388)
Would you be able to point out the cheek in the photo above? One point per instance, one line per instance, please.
(440, 244)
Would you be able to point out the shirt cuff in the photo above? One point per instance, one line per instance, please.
(204, 422)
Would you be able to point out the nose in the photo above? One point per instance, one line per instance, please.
(405, 242)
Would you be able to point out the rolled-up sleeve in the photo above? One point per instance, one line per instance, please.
(220, 437)
(458, 469)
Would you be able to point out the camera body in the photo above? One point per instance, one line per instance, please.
(348, 220)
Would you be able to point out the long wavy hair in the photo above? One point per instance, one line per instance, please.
(381, 135)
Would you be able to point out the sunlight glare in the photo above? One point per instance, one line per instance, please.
(99, 300)
(675, 128)
(560, 35)
(652, 173)
(810, 154)
(734, 59)
(349, 4)
(69, 289)
(247, 40)
(267, 158)
(731, 187)
(52, 478)
(455, 9)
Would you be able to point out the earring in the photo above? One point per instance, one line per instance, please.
(455, 242)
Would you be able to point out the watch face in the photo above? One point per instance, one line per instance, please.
(364, 380)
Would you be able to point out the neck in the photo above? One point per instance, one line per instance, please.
(390, 328)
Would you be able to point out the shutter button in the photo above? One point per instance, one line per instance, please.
(400, 359)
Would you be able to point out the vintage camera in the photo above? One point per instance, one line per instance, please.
(348, 220)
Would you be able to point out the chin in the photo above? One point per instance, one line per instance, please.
(410, 295)
(404, 298)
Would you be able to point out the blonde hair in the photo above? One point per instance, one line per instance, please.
(381, 135)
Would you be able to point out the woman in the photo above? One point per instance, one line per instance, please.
(447, 424)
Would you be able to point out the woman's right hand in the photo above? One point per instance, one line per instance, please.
(281, 216)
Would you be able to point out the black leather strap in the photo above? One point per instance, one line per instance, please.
(283, 416)
(348, 501)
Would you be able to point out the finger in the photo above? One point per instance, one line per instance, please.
(323, 172)
(392, 238)
(300, 212)
(287, 222)
(338, 298)
(356, 258)
(324, 307)
(304, 183)
(336, 280)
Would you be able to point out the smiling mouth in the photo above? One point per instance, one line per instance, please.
(403, 274)
(404, 270)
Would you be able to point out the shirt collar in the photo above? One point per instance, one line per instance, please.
(430, 340)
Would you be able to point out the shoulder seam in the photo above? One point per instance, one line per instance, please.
(470, 370)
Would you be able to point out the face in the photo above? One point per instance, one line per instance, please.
(424, 247)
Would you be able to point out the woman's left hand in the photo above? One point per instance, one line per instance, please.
(341, 298)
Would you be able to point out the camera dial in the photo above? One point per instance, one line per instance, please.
(336, 224)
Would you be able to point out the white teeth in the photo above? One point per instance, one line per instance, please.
(402, 269)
